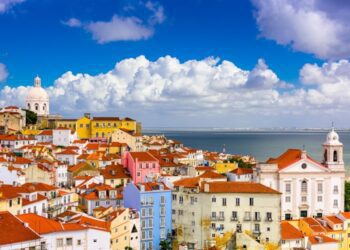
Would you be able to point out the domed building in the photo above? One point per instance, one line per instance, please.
(37, 99)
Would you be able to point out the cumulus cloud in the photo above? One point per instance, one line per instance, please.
(318, 27)
(3, 72)
(119, 29)
(205, 89)
(72, 22)
(123, 28)
(7, 4)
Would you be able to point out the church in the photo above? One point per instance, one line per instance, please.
(308, 187)
(38, 100)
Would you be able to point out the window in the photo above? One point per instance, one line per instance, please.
(181, 212)
(143, 212)
(335, 189)
(247, 216)
(287, 199)
(269, 216)
(237, 202)
(224, 201)
(335, 203)
(213, 199)
(213, 215)
(59, 242)
(335, 155)
(174, 197)
(162, 211)
(304, 186)
(251, 201)
(234, 215)
(257, 216)
(181, 200)
(221, 215)
(303, 199)
(213, 225)
(162, 199)
(319, 198)
(288, 188)
(138, 173)
(150, 234)
(10, 203)
(319, 187)
(69, 241)
(150, 223)
(143, 223)
(19, 201)
(257, 227)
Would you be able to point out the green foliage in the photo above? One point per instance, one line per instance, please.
(31, 117)
(347, 197)
(241, 163)
(165, 245)
(128, 248)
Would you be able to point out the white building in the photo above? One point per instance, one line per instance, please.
(11, 175)
(206, 209)
(69, 236)
(68, 156)
(37, 99)
(309, 188)
(44, 136)
(61, 175)
(63, 137)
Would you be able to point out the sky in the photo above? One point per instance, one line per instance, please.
(183, 63)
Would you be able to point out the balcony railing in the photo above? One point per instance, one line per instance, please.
(221, 218)
(147, 203)
(247, 218)
(268, 219)
(234, 218)
(257, 219)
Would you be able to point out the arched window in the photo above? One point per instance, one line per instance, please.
(29, 106)
(36, 106)
(304, 186)
(335, 155)
(325, 155)
(44, 106)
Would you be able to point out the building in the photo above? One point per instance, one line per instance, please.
(291, 237)
(153, 202)
(12, 118)
(63, 136)
(15, 234)
(68, 156)
(133, 140)
(207, 209)
(58, 235)
(37, 99)
(309, 188)
(142, 166)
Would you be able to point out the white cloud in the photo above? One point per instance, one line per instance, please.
(7, 4)
(167, 91)
(319, 27)
(123, 28)
(119, 29)
(72, 22)
(3, 72)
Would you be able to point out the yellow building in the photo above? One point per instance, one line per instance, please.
(9, 200)
(13, 118)
(66, 123)
(84, 127)
(134, 141)
(222, 167)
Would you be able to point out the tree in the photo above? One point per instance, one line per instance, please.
(31, 117)
(347, 196)
(165, 245)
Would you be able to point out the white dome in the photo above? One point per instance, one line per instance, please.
(37, 94)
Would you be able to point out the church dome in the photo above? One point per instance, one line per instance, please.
(37, 99)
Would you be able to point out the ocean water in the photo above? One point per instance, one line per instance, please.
(259, 144)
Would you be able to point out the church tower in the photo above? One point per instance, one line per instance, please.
(333, 152)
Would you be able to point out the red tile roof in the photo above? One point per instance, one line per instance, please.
(242, 171)
(12, 230)
(321, 239)
(143, 156)
(67, 152)
(46, 132)
(289, 232)
(237, 187)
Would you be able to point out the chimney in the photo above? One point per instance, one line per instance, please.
(206, 187)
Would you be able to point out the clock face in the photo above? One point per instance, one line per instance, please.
(303, 166)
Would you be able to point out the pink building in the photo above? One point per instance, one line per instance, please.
(142, 166)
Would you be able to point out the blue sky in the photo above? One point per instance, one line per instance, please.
(299, 46)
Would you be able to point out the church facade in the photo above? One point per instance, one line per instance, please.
(308, 187)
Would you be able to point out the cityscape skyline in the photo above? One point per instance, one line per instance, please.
(227, 66)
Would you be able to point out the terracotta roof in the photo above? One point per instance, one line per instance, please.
(204, 168)
(211, 175)
(26, 202)
(289, 232)
(242, 171)
(67, 152)
(21, 160)
(46, 132)
(187, 182)
(314, 240)
(12, 230)
(334, 219)
(40, 224)
(152, 186)
(92, 146)
(143, 156)
(38, 186)
(237, 187)
(113, 172)
(315, 226)
(289, 157)
(346, 215)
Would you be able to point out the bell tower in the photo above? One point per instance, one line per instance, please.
(333, 152)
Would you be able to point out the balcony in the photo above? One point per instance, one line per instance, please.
(247, 218)
(257, 219)
(147, 203)
(234, 218)
(268, 219)
(221, 218)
